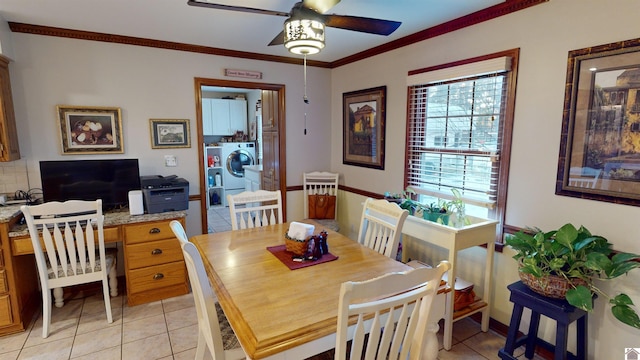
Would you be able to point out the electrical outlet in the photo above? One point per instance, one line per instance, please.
(170, 161)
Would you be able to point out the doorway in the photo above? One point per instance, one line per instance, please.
(273, 139)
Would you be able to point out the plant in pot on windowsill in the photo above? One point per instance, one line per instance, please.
(565, 263)
(438, 212)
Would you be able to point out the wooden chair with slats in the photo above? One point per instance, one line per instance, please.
(209, 333)
(72, 254)
(320, 183)
(381, 226)
(251, 209)
(392, 312)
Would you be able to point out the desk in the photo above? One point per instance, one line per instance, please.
(140, 235)
(279, 313)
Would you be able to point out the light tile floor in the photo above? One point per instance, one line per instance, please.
(219, 219)
(167, 329)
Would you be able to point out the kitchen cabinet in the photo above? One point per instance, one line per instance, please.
(9, 149)
(270, 109)
(224, 116)
(19, 295)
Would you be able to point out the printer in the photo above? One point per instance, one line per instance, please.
(164, 193)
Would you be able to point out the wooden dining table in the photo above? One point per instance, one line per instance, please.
(278, 313)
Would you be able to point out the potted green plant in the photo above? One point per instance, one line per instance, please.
(578, 258)
(438, 212)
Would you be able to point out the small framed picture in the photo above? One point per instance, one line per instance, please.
(90, 130)
(170, 133)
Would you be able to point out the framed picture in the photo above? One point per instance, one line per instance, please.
(170, 133)
(364, 127)
(90, 130)
(600, 143)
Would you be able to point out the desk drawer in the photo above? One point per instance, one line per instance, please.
(158, 230)
(155, 277)
(153, 253)
(3, 281)
(5, 311)
(22, 245)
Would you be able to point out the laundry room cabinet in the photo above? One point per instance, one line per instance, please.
(213, 163)
(224, 116)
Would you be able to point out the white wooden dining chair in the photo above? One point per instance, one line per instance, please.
(320, 183)
(209, 334)
(71, 255)
(381, 226)
(407, 296)
(252, 209)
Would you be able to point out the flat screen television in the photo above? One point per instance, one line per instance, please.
(109, 180)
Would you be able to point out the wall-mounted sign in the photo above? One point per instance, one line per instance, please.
(243, 73)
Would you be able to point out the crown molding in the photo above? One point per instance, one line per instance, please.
(504, 8)
(160, 44)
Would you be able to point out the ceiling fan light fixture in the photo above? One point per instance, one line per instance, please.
(303, 36)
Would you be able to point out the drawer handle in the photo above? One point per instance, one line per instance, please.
(154, 231)
(158, 276)
(156, 251)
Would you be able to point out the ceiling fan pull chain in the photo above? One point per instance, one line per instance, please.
(305, 98)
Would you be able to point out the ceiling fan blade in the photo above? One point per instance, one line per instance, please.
(278, 40)
(236, 8)
(320, 6)
(362, 24)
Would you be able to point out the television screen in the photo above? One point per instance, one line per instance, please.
(109, 180)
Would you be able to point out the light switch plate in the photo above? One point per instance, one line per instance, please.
(170, 160)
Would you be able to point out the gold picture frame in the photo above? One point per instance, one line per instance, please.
(170, 133)
(90, 130)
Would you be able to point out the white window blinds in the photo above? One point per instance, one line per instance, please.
(455, 130)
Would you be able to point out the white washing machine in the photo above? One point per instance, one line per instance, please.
(234, 157)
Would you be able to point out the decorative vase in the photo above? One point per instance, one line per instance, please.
(552, 286)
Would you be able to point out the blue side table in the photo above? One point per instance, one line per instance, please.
(559, 310)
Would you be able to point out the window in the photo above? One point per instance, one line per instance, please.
(459, 124)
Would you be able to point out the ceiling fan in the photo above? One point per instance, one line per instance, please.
(304, 28)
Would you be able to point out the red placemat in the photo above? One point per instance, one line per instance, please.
(286, 258)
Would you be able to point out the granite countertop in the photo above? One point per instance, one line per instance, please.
(8, 212)
(111, 218)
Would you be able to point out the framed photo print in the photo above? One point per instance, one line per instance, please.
(90, 130)
(600, 142)
(170, 133)
(364, 127)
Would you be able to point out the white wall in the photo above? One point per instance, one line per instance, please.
(545, 34)
(148, 83)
